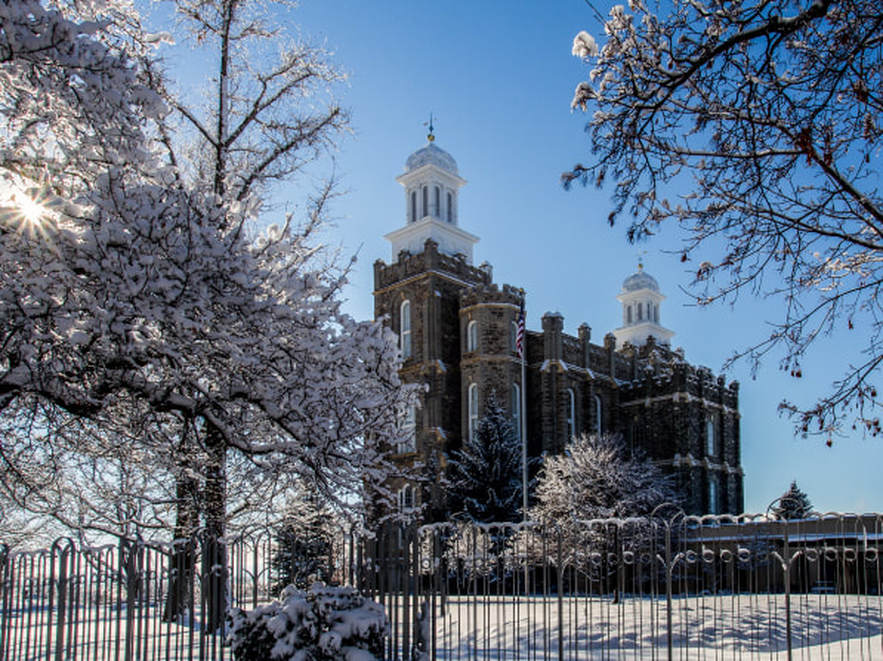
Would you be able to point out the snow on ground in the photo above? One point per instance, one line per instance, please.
(750, 627)
(726, 627)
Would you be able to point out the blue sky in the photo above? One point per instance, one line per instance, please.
(498, 77)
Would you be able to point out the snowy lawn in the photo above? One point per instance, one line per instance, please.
(725, 627)
(828, 627)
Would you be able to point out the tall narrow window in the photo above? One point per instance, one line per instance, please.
(472, 336)
(656, 313)
(516, 410)
(406, 499)
(628, 314)
(450, 208)
(640, 311)
(408, 441)
(513, 334)
(473, 410)
(437, 210)
(571, 415)
(713, 503)
(405, 329)
(425, 201)
(709, 435)
(413, 206)
(599, 427)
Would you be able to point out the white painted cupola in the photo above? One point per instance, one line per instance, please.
(432, 185)
(640, 298)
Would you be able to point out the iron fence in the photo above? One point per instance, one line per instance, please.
(651, 588)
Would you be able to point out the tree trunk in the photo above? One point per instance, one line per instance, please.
(619, 567)
(214, 549)
(183, 560)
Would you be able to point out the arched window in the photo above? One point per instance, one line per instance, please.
(598, 411)
(571, 415)
(640, 311)
(408, 441)
(472, 336)
(628, 314)
(713, 504)
(425, 201)
(413, 206)
(437, 210)
(405, 329)
(516, 410)
(709, 435)
(450, 208)
(406, 499)
(473, 410)
(513, 335)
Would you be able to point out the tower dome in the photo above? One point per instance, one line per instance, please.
(431, 155)
(640, 280)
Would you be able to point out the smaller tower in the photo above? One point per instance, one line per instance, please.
(640, 298)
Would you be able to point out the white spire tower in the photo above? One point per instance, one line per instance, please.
(432, 185)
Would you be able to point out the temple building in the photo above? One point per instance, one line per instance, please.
(457, 332)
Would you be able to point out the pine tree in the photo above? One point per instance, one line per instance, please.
(793, 504)
(485, 477)
(304, 544)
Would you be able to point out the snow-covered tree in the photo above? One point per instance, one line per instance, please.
(756, 127)
(484, 478)
(793, 504)
(596, 496)
(597, 477)
(139, 293)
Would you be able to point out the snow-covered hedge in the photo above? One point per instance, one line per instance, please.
(322, 624)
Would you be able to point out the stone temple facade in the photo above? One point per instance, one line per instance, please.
(457, 331)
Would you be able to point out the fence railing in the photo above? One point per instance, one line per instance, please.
(686, 588)
(650, 588)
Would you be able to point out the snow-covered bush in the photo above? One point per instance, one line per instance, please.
(322, 624)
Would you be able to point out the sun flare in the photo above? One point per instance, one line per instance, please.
(31, 210)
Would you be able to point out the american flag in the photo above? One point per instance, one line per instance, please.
(519, 332)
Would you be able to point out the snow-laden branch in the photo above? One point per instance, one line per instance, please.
(757, 128)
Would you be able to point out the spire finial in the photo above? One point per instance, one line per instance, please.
(641, 260)
(431, 136)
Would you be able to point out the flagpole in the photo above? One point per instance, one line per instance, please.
(520, 343)
(523, 439)
(522, 333)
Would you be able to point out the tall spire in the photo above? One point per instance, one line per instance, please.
(431, 184)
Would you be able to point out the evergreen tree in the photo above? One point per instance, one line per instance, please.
(304, 543)
(793, 504)
(485, 475)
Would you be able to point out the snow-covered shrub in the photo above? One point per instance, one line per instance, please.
(322, 624)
